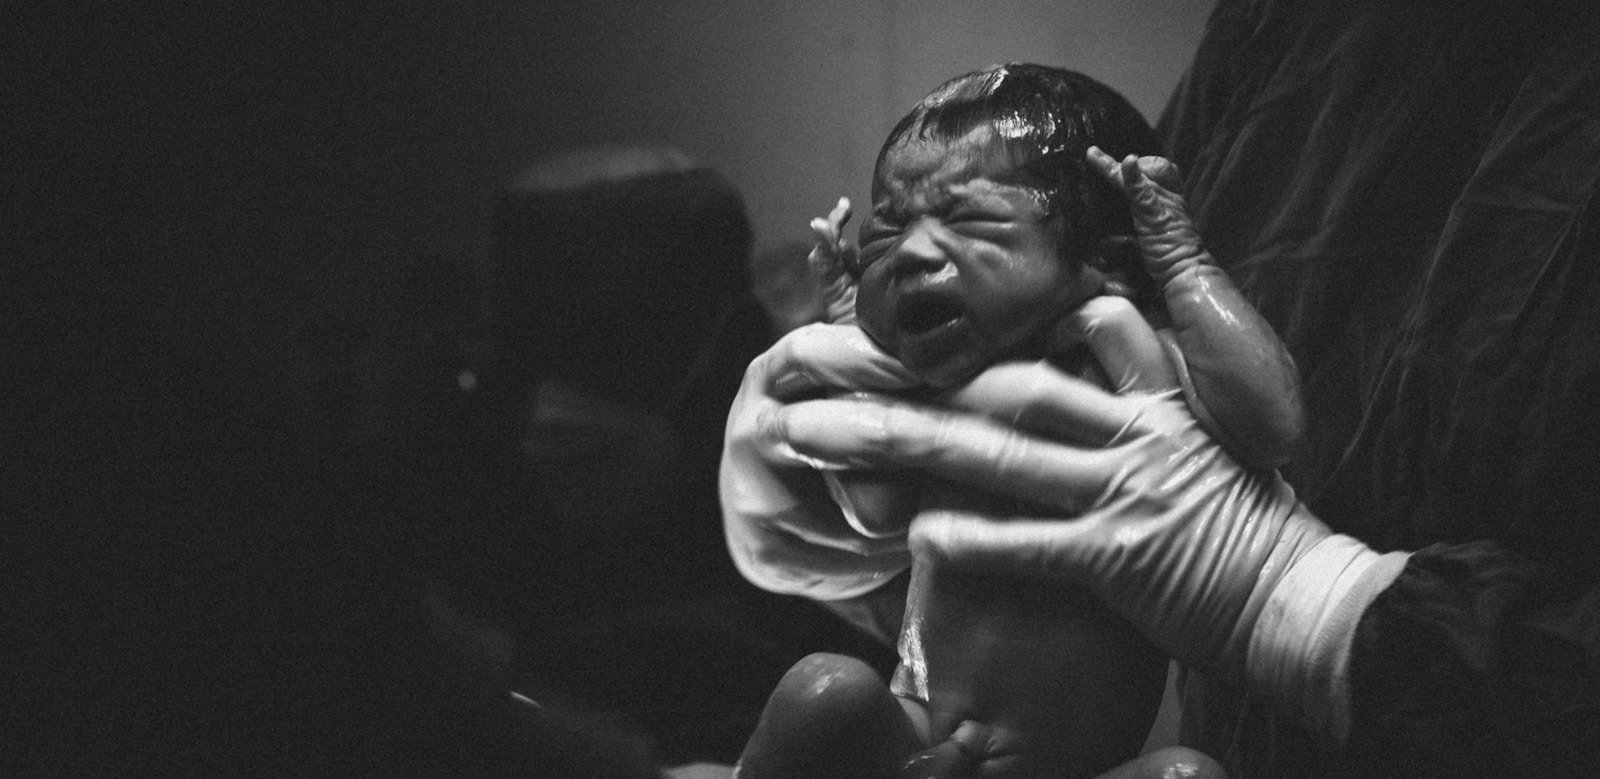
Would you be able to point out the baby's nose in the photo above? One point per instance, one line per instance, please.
(919, 250)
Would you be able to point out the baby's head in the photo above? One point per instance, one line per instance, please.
(987, 222)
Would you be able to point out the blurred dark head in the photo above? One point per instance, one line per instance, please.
(786, 286)
(615, 270)
(622, 321)
(1047, 118)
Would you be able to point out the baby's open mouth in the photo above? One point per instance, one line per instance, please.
(924, 313)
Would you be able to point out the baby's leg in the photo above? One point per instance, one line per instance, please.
(831, 715)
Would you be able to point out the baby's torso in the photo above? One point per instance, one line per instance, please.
(1064, 683)
(1060, 679)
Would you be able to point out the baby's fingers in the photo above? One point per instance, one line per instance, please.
(833, 260)
(828, 229)
(839, 215)
(1162, 171)
(1107, 167)
(1135, 174)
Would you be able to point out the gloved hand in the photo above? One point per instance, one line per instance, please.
(785, 534)
(1127, 494)
(1219, 564)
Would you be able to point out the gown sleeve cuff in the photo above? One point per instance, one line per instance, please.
(1299, 652)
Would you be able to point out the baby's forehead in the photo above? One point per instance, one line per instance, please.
(931, 171)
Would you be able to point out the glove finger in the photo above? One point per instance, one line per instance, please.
(882, 432)
(821, 357)
(782, 531)
(1124, 343)
(812, 538)
(979, 542)
(791, 550)
(1042, 399)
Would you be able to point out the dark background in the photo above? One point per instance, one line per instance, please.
(223, 233)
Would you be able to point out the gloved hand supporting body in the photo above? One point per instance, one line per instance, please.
(1220, 564)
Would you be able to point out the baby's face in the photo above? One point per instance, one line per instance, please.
(961, 266)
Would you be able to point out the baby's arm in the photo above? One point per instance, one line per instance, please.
(831, 260)
(876, 504)
(1238, 377)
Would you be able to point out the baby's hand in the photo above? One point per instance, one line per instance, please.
(832, 260)
(1238, 378)
(1167, 236)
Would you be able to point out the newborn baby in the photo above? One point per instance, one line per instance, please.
(995, 214)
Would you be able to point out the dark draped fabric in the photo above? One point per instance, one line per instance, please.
(1405, 190)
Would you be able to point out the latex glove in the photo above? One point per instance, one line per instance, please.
(1237, 376)
(1220, 565)
(785, 534)
(1128, 495)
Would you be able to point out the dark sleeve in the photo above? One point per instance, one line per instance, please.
(1407, 191)
(1464, 663)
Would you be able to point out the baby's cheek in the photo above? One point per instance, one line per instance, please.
(872, 313)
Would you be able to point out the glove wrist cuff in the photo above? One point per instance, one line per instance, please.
(1299, 651)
